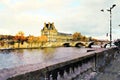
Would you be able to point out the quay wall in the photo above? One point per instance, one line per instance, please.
(75, 67)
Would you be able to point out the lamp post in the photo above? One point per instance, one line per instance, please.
(110, 10)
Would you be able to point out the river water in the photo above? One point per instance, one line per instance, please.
(13, 58)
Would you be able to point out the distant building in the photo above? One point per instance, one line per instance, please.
(53, 35)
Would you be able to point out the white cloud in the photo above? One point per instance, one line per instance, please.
(4, 31)
(68, 15)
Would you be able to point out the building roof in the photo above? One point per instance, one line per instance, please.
(49, 27)
(65, 34)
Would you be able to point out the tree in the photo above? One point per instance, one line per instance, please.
(90, 38)
(43, 39)
(84, 38)
(20, 38)
(76, 36)
(30, 40)
(38, 40)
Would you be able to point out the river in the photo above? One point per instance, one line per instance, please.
(13, 58)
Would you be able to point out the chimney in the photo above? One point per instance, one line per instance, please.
(44, 24)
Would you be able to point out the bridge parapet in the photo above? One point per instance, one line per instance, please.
(75, 44)
(69, 44)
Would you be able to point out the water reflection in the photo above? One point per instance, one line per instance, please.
(9, 59)
(48, 53)
(12, 58)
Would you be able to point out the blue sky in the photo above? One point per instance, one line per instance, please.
(68, 16)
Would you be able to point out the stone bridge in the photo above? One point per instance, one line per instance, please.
(77, 44)
(72, 44)
(68, 44)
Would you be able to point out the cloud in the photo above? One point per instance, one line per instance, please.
(4, 31)
(69, 16)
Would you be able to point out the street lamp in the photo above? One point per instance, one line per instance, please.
(110, 10)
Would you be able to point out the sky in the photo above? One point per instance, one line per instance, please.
(69, 16)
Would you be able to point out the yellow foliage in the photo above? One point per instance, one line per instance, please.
(76, 36)
(19, 36)
(30, 38)
(43, 39)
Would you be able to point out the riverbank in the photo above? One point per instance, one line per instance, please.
(47, 45)
(29, 46)
(1, 49)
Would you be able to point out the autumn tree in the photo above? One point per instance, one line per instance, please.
(76, 36)
(39, 40)
(20, 38)
(84, 38)
(30, 40)
(43, 39)
(36, 40)
(90, 39)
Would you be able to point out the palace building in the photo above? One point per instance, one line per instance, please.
(53, 35)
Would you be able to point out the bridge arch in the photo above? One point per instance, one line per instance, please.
(79, 44)
(90, 44)
(66, 44)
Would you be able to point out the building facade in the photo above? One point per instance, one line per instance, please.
(53, 35)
